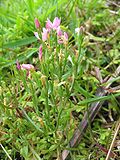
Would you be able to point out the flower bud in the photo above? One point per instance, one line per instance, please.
(37, 23)
(43, 80)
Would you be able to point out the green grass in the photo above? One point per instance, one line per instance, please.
(39, 113)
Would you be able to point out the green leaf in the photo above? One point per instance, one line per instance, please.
(79, 89)
(91, 100)
(35, 153)
(19, 43)
(24, 56)
(95, 99)
(52, 148)
(24, 151)
(30, 120)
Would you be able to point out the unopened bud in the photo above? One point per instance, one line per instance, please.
(43, 79)
(37, 23)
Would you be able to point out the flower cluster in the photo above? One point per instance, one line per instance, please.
(27, 67)
(62, 37)
(55, 26)
(50, 27)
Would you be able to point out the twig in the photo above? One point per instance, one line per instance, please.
(5, 151)
(91, 113)
(111, 146)
(112, 3)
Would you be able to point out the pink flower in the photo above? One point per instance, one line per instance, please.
(37, 23)
(54, 25)
(59, 32)
(36, 35)
(27, 67)
(40, 52)
(44, 34)
(48, 25)
(65, 36)
(18, 66)
(63, 39)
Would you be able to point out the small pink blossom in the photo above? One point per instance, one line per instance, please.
(27, 67)
(54, 25)
(59, 32)
(63, 39)
(37, 23)
(65, 36)
(49, 25)
(36, 35)
(40, 52)
(44, 34)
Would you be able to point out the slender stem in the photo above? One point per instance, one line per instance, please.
(5, 151)
(111, 146)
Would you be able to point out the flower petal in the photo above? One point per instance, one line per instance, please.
(36, 35)
(37, 23)
(65, 36)
(56, 23)
(49, 25)
(27, 66)
(59, 32)
(44, 34)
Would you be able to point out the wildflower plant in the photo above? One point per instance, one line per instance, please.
(45, 95)
(45, 88)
